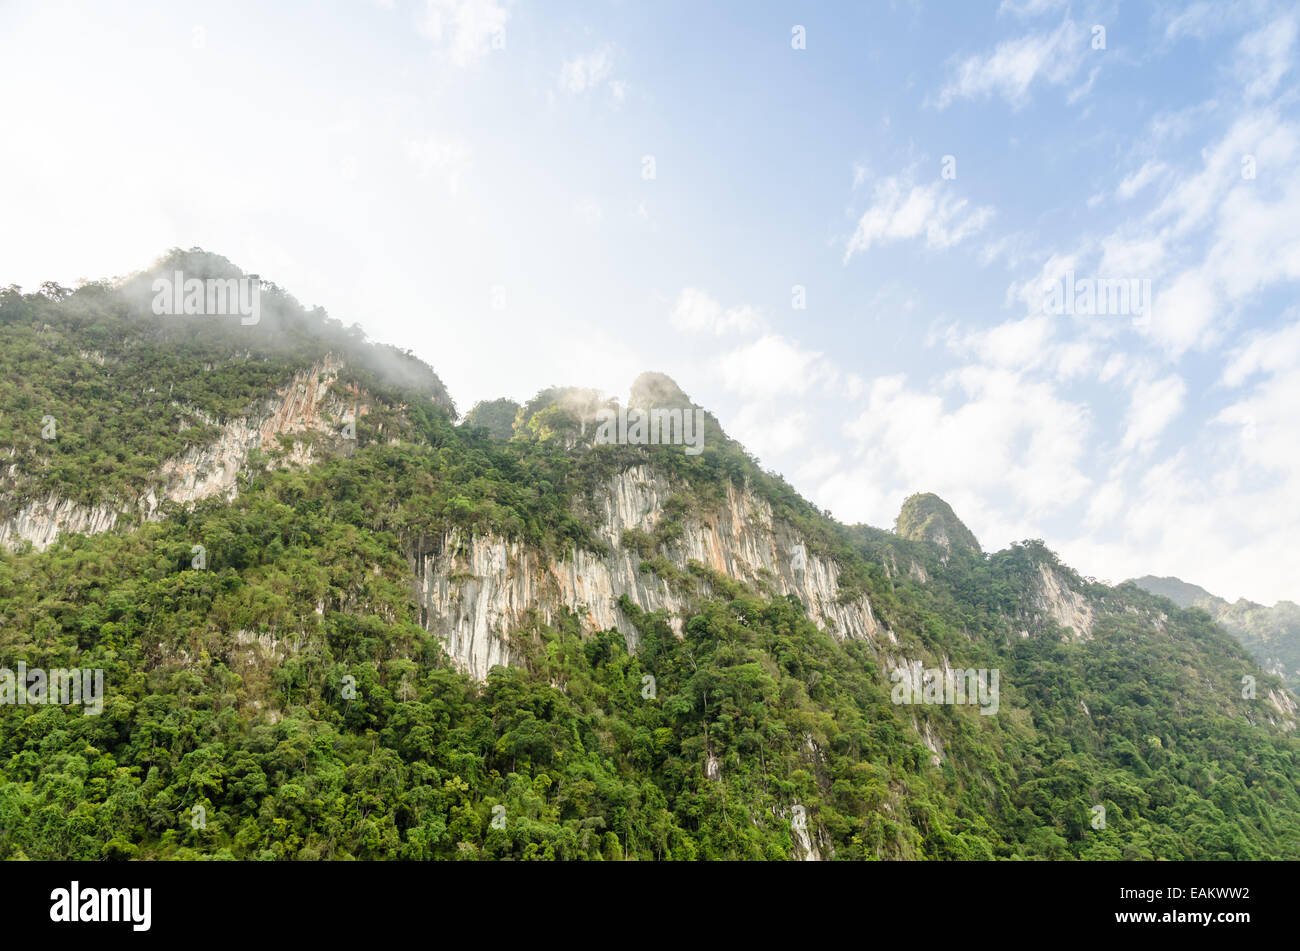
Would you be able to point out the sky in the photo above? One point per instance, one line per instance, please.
(849, 230)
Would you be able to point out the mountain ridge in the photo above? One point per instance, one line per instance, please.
(373, 647)
(1270, 632)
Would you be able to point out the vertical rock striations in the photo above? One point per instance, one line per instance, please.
(478, 592)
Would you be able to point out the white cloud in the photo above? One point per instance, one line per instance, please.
(1210, 243)
(1016, 343)
(1154, 405)
(1031, 343)
(769, 429)
(819, 466)
(1265, 440)
(1138, 255)
(1106, 504)
(1032, 292)
(585, 72)
(1183, 315)
(1220, 511)
(1247, 227)
(771, 365)
(900, 212)
(1269, 351)
(448, 159)
(1265, 56)
(1192, 203)
(1140, 179)
(697, 312)
(1014, 65)
(1029, 8)
(463, 28)
(1202, 19)
(1004, 434)
(1081, 91)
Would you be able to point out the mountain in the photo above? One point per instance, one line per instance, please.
(138, 413)
(1271, 634)
(335, 621)
(1176, 590)
(926, 517)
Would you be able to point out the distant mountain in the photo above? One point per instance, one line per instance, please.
(334, 621)
(1176, 590)
(1272, 634)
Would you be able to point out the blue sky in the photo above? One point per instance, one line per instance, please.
(468, 178)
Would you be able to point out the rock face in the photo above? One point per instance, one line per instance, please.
(477, 592)
(1287, 709)
(306, 404)
(1057, 600)
(805, 850)
(42, 520)
(298, 408)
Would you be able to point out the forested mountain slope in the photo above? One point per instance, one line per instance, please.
(505, 639)
(1271, 634)
(109, 412)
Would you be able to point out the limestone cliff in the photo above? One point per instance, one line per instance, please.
(1055, 599)
(306, 404)
(476, 593)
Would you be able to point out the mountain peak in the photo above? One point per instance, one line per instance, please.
(1182, 593)
(652, 389)
(928, 518)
